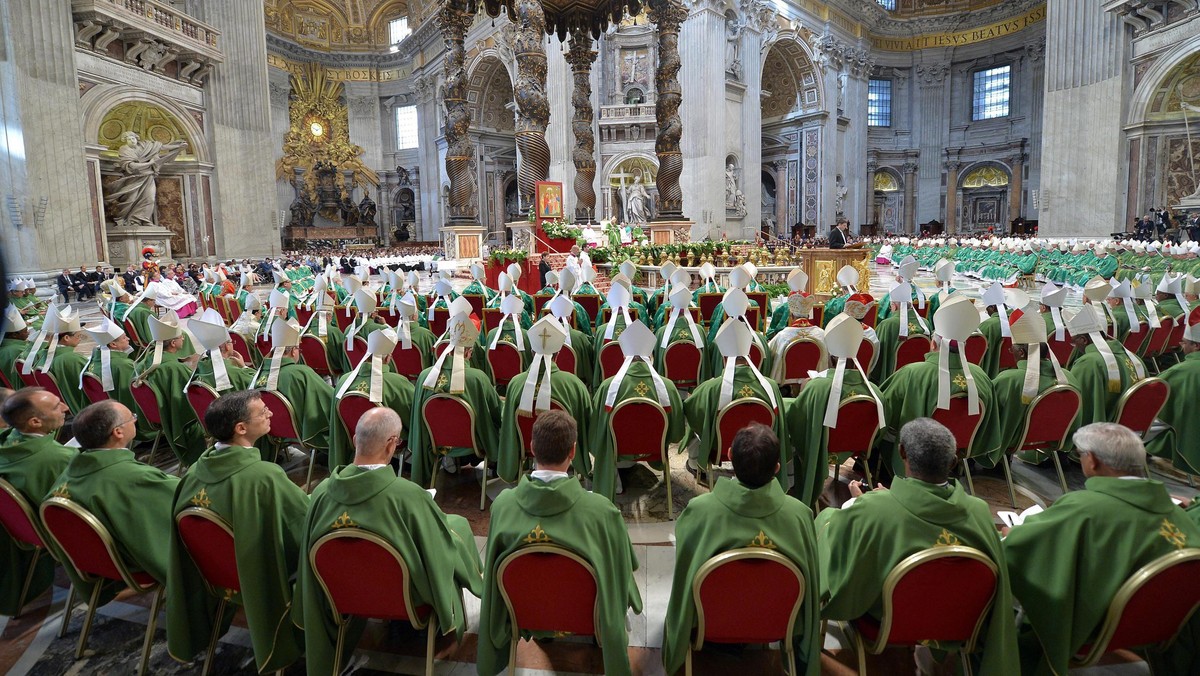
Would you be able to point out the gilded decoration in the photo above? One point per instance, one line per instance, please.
(986, 177)
(339, 25)
(1181, 85)
(148, 121)
(885, 182)
(319, 131)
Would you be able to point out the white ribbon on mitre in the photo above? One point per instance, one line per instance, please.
(211, 333)
(1052, 297)
(1030, 329)
(562, 308)
(408, 310)
(955, 321)
(995, 296)
(462, 333)
(680, 300)
(284, 334)
(103, 333)
(380, 344)
(365, 302)
(546, 338)
(67, 322)
(733, 339)
(49, 328)
(1088, 320)
(441, 292)
(843, 336)
(618, 299)
(1124, 291)
(511, 307)
(901, 294)
(1144, 293)
(637, 342)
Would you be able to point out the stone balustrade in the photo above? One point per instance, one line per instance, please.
(148, 34)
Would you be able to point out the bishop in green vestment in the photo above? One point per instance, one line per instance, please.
(121, 368)
(30, 460)
(891, 334)
(750, 511)
(1067, 562)
(265, 511)
(180, 426)
(15, 334)
(438, 549)
(1100, 383)
(375, 379)
(310, 396)
(861, 543)
(1179, 443)
(549, 507)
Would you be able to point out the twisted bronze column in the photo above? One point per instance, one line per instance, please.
(667, 15)
(460, 152)
(533, 108)
(581, 56)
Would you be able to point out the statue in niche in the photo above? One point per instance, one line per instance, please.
(408, 211)
(133, 197)
(303, 208)
(637, 201)
(840, 193)
(731, 186)
(403, 175)
(739, 203)
(367, 210)
(733, 62)
(349, 209)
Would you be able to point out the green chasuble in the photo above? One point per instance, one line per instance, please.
(397, 395)
(1067, 562)
(808, 433)
(731, 517)
(990, 328)
(180, 425)
(1168, 308)
(567, 391)
(31, 464)
(139, 316)
(11, 349)
(701, 409)
(133, 501)
(860, 544)
(636, 383)
(266, 511)
(1099, 398)
(888, 332)
(311, 398)
(1180, 442)
(479, 393)
(714, 362)
(438, 549)
(1106, 266)
(335, 342)
(1012, 407)
(123, 373)
(67, 366)
(912, 392)
(560, 513)
(239, 376)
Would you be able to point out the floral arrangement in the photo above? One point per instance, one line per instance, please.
(561, 229)
(504, 256)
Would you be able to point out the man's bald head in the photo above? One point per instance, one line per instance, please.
(376, 436)
(33, 410)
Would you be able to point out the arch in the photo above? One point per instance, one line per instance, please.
(484, 59)
(1142, 101)
(888, 180)
(986, 174)
(489, 90)
(792, 77)
(100, 100)
(646, 160)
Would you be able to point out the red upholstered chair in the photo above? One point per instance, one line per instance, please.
(286, 428)
(450, 422)
(872, 316)
(437, 323)
(505, 362)
(963, 426)
(356, 349)
(1047, 422)
(93, 388)
(1149, 609)
(754, 318)
(1141, 403)
(682, 362)
(522, 578)
(818, 318)
(200, 396)
(338, 560)
(976, 347)
(386, 316)
(90, 549)
(146, 398)
(762, 310)
(4, 382)
(228, 307)
(638, 430)
(477, 302)
(1063, 349)
(525, 431)
(1175, 340)
(736, 415)
(747, 595)
(491, 319)
(303, 315)
(246, 349)
(708, 303)
(208, 540)
(314, 355)
(134, 339)
(262, 344)
(1136, 341)
(343, 316)
(917, 610)
(539, 301)
(27, 379)
(866, 355)
(408, 363)
(47, 381)
(567, 360)
(799, 357)
(610, 359)
(1007, 360)
(606, 315)
(756, 355)
(352, 406)
(911, 350)
(858, 423)
(590, 303)
(17, 519)
(1157, 343)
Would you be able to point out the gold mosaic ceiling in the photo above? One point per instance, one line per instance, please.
(340, 25)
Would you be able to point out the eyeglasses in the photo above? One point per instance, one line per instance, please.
(134, 419)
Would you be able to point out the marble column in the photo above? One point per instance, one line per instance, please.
(46, 215)
(952, 197)
(533, 108)
(869, 196)
(703, 111)
(239, 120)
(758, 18)
(1017, 164)
(933, 110)
(560, 85)
(460, 150)
(910, 198)
(782, 227)
(668, 15)
(430, 216)
(581, 57)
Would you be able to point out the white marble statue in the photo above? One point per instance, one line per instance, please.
(731, 186)
(133, 195)
(637, 202)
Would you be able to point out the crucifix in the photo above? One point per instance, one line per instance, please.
(621, 176)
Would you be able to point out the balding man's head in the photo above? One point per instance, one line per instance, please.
(34, 410)
(106, 424)
(376, 436)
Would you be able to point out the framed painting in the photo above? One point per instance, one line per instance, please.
(549, 200)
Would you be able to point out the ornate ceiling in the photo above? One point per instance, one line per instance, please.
(908, 8)
(340, 25)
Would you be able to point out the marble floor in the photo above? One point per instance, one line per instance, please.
(29, 645)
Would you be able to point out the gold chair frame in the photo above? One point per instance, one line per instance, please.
(1125, 593)
(27, 510)
(441, 451)
(1053, 452)
(712, 468)
(159, 435)
(205, 386)
(430, 625)
(742, 554)
(1133, 389)
(224, 595)
(699, 366)
(312, 451)
(122, 568)
(786, 350)
(92, 376)
(866, 454)
(666, 458)
(889, 586)
(558, 550)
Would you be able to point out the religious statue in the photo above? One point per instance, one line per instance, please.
(637, 202)
(739, 203)
(367, 210)
(404, 177)
(731, 187)
(349, 209)
(733, 62)
(840, 193)
(303, 208)
(133, 196)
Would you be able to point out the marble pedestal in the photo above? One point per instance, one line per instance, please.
(1189, 203)
(523, 233)
(669, 232)
(464, 242)
(125, 244)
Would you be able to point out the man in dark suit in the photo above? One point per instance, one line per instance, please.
(65, 284)
(86, 282)
(130, 276)
(838, 237)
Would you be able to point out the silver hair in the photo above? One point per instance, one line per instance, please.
(373, 429)
(930, 449)
(1117, 446)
